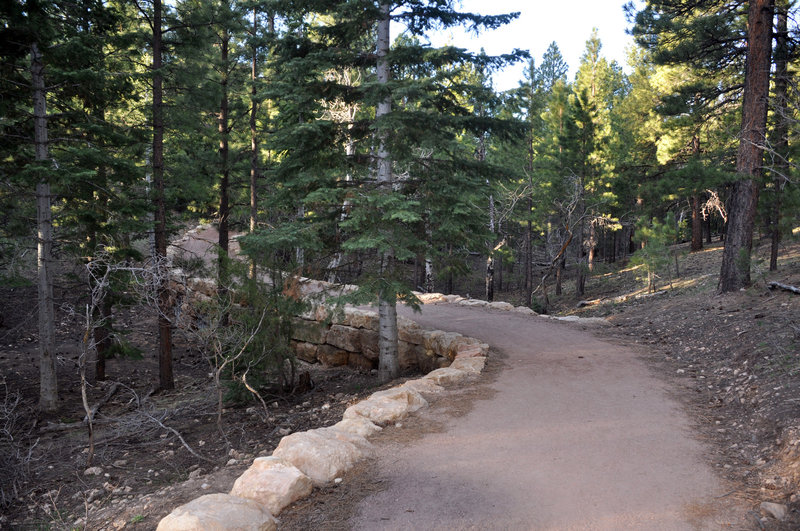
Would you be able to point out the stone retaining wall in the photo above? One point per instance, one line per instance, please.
(350, 338)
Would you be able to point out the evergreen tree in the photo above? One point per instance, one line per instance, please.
(394, 154)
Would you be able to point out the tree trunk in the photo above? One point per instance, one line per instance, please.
(254, 169)
(735, 270)
(48, 383)
(165, 379)
(102, 335)
(580, 276)
(224, 182)
(388, 363)
(489, 281)
(697, 224)
(560, 274)
(780, 133)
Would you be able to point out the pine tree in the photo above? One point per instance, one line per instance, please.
(397, 167)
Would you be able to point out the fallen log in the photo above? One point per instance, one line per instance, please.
(784, 287)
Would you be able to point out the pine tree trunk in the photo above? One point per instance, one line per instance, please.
(102, 336)
(489, 280)
(580, 276)
(697, 224)
(254, 169)
(48, 383)
(735, 270)
(388, 363)
(165, 379)
(224, 182)
(780, 133)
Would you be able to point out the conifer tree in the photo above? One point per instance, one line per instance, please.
(394, 159)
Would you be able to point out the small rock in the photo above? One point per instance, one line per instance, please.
(93, 471)
(194, 474)
(774, 510)
(205, 486)
(231, 462)
(119, 463)
(284, 431)
(337, 480)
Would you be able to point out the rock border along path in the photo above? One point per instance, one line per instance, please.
(317, 457)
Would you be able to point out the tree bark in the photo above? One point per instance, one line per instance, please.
(254, 134)
(224, 182)
(388, 363)
(780, 133)
(735, 270)
(48, 382)
(165, 379)
(697, 224)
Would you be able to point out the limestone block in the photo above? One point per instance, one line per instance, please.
(411, 334)
(308, 331)
(347, 436)
(305, 351)
(408, 354)
(317, 312)
(405, 322)
(368, 340)
(445, 344)
(423, 386)
(273, 483)
(428, 298)
(470, 351)
(471, 365)
(387, 406)
(454, 298)
(446, 376)
(358, 318)
(357, 426)
(501, 306)
(344, 337)
(332, 356)
(219, 512)
(477, 303)
(524, 310)
(360, 362)
(428, 361)
(319, 456)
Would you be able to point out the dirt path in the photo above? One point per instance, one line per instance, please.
(572, 433)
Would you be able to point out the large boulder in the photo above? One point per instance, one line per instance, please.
(423, 386)
(471, 365)
(219, 512)
(358, 318)
(408, 354)
(446, 376)
(388, 406)
(318, 455)
(305, 351)
(332, 356)
(308, 331)
(357, 426)
(344, 337)
(368, 339)
(273, 483)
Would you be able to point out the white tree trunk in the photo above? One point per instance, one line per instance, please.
(388, 365)
(48, 384)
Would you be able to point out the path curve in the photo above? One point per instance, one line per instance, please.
(574, 433)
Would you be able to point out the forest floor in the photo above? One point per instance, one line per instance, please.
(733, 359)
